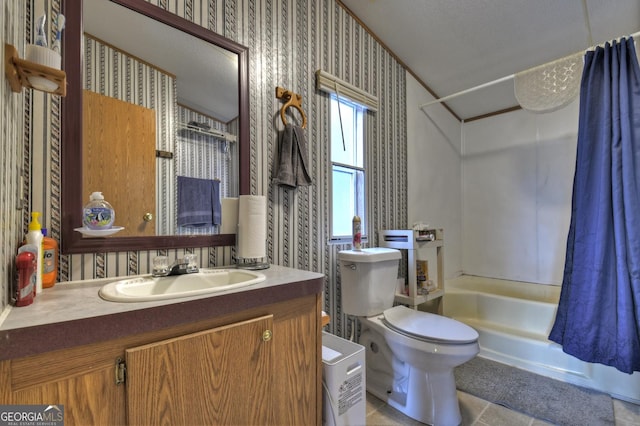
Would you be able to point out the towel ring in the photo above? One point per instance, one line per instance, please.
(293, 100)
(296, 106)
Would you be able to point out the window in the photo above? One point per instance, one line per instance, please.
(348, 197)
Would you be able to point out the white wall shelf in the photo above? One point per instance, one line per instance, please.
(416, 243)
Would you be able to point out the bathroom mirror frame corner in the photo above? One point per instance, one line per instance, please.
(72, 198)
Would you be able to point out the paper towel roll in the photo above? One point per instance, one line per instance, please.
(252, 227)
(229, 216)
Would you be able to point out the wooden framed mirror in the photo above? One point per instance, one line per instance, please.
(73, 195)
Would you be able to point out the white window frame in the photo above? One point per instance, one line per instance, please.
(360, 136)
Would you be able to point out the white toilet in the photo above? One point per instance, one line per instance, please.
(410, 355)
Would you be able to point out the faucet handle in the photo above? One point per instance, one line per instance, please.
(190, 260)
(160, 265)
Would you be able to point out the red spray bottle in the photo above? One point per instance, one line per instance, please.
(27, 267)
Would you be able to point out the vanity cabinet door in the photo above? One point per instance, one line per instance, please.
(217, 376)
(297, 372)
(87, 394)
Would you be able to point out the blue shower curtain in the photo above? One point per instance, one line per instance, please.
(598, 318)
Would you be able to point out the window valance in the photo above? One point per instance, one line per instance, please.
(331, 84)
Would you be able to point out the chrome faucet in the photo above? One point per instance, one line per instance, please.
(185, 265)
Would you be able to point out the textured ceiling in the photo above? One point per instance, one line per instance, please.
(454, 45)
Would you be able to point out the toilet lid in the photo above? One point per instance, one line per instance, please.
(429, 327)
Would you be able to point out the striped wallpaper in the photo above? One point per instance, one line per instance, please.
(288, 41)
(13, 154)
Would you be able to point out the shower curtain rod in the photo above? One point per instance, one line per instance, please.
(491, 83)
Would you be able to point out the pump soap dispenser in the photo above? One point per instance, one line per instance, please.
(98, 213)
(98, 217)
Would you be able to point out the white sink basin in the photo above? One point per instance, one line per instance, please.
(206, 281)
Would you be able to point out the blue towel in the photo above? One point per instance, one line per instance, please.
(198, 202)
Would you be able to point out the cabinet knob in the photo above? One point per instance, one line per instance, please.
(266, 335)
(148, 217)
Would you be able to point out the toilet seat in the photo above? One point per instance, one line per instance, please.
(428, 327)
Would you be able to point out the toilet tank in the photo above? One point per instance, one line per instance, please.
(369, 278)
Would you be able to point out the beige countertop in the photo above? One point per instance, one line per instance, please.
(72, 313)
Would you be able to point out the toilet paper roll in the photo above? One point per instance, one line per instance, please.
(229, 216)
(252, 227)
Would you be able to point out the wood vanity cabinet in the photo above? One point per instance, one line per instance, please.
(259, 366)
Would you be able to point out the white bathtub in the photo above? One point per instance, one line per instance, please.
(514, 319)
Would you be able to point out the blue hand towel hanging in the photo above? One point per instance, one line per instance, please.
(198, 202)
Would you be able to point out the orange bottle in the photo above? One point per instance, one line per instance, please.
(50, 260)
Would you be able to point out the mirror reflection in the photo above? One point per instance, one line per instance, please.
(163, 108)
(160, 113)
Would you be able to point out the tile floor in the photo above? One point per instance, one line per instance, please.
(478, 412)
